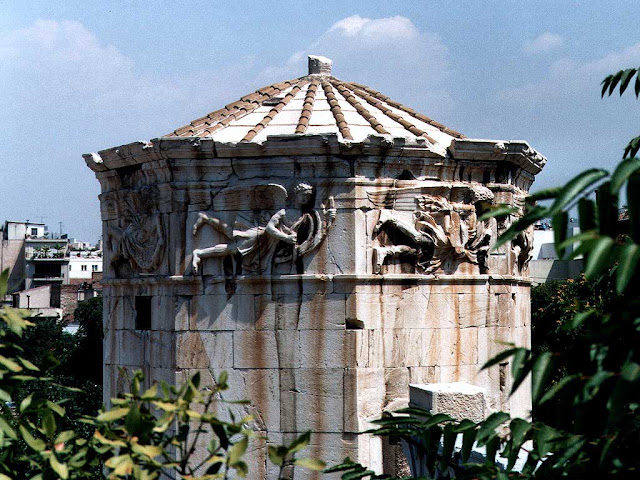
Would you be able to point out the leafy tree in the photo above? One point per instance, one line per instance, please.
(553, 306)
(87, 360)
(596, 365)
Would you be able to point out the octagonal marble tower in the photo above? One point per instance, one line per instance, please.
(322, 244)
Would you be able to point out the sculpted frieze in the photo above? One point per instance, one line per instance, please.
(260, 233)
(442, 232)
(137, 241)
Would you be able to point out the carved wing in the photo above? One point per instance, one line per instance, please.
(404, 198)
(269, 196)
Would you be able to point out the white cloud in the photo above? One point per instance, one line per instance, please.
(567, 77)
(375, 29)
(544, 43)
(383, 53)
(50, 63)
(65, 93)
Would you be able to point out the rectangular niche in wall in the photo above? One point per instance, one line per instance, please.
(143, 313)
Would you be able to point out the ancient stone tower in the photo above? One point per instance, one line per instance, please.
(323, 244)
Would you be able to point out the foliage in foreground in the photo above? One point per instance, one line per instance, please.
(149, 433)
(594, 376)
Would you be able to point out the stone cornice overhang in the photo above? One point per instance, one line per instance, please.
(518, 153)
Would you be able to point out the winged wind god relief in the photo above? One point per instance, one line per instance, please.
(138, 240)
(259, 233)
(432, 229)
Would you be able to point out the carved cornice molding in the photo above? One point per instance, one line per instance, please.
(518, 152)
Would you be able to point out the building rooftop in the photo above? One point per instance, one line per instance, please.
(316, 114)
(317, 103)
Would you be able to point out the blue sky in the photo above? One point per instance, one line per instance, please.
(83, 76)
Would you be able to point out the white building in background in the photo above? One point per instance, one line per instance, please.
(545, 264)
(22, 230)
(83, 264)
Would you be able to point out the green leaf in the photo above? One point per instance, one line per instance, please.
(605, 84)
(501, 210)
(539, 374)
(237, 450)
(4, 282)
(544, 194)
(310, 463)
(468, 439)
(300, 442)
(587, 215)
(623, 171)
(347, 464)
(449, 440)
(122, 465)
(27, 364)
(7, 429)
(492, 449)
(4, 396)
(54, 407)
(580, 317)
(576, 187)
(557, 387)
(607, 210)
(586, 235)
(436, 419)
(48, 423)
(570, 448)
(34, 443)
(560, 223)
(25, 403)
(111, 415)
(60, 468)
(9, 364)
(630, 371)
(501, 357)
(625, 79)
(488, 427)
(223, 381)
(105, 441)
(151, 393)
(241, 469)
(518, 429)
(632, 147)
(543, 438)
(599, 257)
(277, 455)
(633, 201)
(520, 368)
(150, 451)
(627, 263)
(65, 436)
(536, 213)
(614, 81)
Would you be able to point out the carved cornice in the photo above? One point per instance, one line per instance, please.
(517, 152)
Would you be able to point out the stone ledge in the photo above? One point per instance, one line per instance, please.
(459, 400)
(367, 279)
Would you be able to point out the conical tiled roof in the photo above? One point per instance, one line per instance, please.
(313, 105)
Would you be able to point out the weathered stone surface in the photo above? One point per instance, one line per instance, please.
(204, 349)
(459, 400)
(312, 399)
(364, 397)
(266, 349)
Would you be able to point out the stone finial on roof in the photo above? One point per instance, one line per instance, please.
(319, 65)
